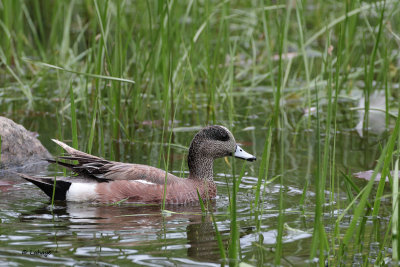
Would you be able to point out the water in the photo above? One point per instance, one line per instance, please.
(89, 234)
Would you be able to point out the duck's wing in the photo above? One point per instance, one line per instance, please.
(129, 171)
(104, 170)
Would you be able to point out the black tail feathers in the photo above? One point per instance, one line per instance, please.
(47, 185)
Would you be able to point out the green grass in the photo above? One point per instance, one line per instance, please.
(73, 119)
(395, 207)
(108, 69)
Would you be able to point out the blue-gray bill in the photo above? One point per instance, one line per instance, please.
(241, 154)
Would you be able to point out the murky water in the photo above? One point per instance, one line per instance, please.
(86, 234)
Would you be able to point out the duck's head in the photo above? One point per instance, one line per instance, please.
(215, 142)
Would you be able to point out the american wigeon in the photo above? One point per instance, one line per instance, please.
(104, 181)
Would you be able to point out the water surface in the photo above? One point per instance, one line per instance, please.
(32, 232)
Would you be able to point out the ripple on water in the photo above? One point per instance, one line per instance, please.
(147, 260)
(104, 251)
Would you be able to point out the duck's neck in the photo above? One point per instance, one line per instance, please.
(200, 168)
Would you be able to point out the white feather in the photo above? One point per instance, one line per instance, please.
(143, 182)
(80, 192)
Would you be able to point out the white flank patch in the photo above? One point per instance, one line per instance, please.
(80, 192)
(143, 181)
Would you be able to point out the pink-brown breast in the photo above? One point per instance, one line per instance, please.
(181, 192)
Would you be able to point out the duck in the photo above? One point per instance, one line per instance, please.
(103, 181)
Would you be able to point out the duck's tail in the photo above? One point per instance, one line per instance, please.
(47, 186)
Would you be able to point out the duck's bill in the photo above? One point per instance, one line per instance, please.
(241, 154)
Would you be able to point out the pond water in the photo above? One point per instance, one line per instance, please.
(83, 234)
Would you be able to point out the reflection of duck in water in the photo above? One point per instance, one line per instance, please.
(144, 225)
(142, 229)
(106, 181)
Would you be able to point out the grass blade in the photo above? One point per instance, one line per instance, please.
(73, 119)
(203, 209)
(263, 166)
(395, 212)
(110, 78)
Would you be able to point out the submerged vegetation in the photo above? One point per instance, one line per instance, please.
(109, 72)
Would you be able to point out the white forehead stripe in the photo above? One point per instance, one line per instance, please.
(223, 127)
(81, 192)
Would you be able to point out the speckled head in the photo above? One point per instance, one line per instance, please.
(210, 143)
(213, 142)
